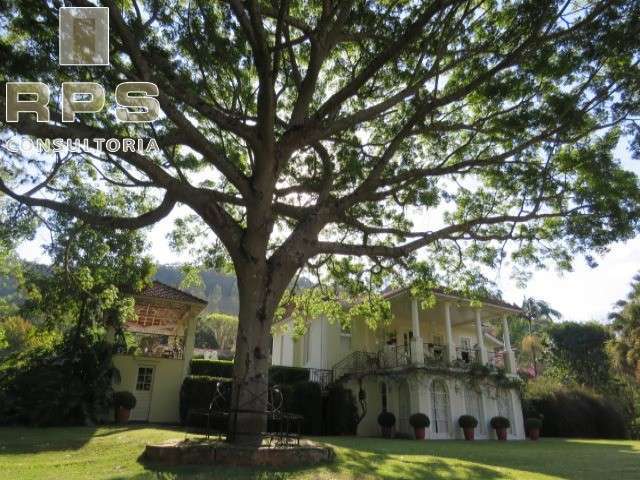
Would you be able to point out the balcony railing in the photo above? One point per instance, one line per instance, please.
(468, 355)
(151, 345)
(434, 353)
(395, 356)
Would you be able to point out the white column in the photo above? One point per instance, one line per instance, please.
(417, 347)
(451, 348)
(480, 335)
(509, 357)
(189, 341)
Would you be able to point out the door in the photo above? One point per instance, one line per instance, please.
(142, 392)
(440, 405)
(404, 407)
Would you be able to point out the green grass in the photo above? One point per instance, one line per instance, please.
(112, 453)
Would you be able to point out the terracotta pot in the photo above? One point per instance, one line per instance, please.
(534, 434)
(501, 433)
(122, 415)
(420, 433)
(469, 433)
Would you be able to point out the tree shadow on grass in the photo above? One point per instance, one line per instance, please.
(563, 458)
(351, 464)
(26, 440)
(369, 459)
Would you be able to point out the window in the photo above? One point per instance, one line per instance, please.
(383, 393)
(145, 377)
(473, 406)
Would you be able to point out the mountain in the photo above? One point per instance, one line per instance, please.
(220, 290)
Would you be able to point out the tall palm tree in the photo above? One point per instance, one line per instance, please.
(538, 313)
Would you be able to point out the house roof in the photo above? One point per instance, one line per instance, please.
(167, 292)
(492, 301)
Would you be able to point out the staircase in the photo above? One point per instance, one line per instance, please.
(356, 363)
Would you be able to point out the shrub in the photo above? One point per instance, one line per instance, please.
(386, 419)
(124, 399)
(533, 424)
(340, 412)
(467, 421)
(279, 375)
(574, 412)
(419, 420)
(500, 422)
(65, 382)
(212, 368)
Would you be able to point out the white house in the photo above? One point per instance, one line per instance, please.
(443, 361)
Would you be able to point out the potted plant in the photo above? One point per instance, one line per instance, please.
(386, 420)
(533, 426)
(500, 425)
(123, 403)
(419, 422)
(468, 423)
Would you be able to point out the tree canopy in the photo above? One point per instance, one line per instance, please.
(297, 132)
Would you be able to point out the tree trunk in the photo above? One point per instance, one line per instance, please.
(248, 418)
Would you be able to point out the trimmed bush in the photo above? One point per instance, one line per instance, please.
(340, 412)
(500, 422)
(279, 375)
(212, 368)
(124, 399)
(532, 424)
(386, 419)
(419, 420)
(576, 412)
(467, 421)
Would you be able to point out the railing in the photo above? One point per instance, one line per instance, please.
(434, 353)
(356, 363)
(323, 377)
(151, 345)
(468, 355)
(393, 356)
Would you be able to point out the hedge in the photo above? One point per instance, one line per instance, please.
(335, 414)
(576, 412)
(340, 412)
(212, 368)
(197, 391)
(278, 375)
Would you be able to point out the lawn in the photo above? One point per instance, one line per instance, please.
(112, 453)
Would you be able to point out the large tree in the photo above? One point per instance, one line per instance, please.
(298, 131)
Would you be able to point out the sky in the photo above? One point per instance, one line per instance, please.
(583, 294)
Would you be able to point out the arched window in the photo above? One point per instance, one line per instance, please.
(505, 406)
(440, 405)
(473, 406)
